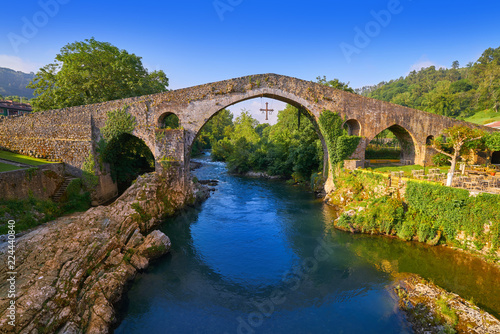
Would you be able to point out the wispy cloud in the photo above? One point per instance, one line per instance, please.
(18, 64)
(423, 62)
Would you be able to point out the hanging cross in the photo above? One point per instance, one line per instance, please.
(267, 110)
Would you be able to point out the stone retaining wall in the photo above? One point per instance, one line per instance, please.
(42, 182)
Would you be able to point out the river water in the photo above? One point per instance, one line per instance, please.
(260, 256)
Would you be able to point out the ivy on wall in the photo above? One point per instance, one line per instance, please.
(452, 211)
(340, 145)
(346, 145)
(429, 212)
(89, 177)
(127, 155)
(118, 122)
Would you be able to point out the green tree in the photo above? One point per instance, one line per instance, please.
(218, 127)
(455, 65)
(244, 126)
(335, 83)
(493, 141)
(456, 139)
(90, 72)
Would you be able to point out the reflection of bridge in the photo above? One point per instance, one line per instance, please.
(71, 134)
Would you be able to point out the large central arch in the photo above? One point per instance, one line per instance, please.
(211, 108)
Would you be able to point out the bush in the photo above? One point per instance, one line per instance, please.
(441, 160)
(383, 153)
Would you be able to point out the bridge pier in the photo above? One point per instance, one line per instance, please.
(172, 156)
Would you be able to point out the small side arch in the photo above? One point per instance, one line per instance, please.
(405, 141)
(495, 158)
(429, 139)
(168, 120)
(353, 127)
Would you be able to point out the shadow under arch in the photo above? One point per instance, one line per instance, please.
(495, 158)
(353, 127)
(129, 156)
(406, 141)
(302, 109)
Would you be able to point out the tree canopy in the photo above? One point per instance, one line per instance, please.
(455, 140)
(335, 83)
(454, 92)
(91, 72)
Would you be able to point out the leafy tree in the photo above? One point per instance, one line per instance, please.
(454, 92)
(218, 127)
(457, 138)
(244, 126)
(490, 55)
(335, 83)
(90, 72)
(493, 141)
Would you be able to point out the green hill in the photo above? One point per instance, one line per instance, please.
(458, 92)
(14, 83)
(484, 117)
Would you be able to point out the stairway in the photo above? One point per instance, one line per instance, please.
(62, 189)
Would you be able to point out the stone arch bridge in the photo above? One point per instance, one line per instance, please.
(71, 134)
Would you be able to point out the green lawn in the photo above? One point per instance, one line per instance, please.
(484, 117)
(7, 167)
(22, 159)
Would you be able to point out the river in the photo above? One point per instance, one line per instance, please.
(260, 256)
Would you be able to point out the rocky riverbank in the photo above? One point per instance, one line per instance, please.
(72, 271)
(430, 309)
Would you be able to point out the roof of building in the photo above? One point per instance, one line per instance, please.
(494, 125)
(9, 104)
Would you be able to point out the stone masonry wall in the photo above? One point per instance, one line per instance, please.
(60, 135)
(42, 182)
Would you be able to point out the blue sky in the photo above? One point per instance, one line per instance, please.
(202, 41)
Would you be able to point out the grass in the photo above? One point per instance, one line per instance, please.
(446, 312)
(27, 213)
(22, 159)
(31, 212)
(484, 117)
(8, 167)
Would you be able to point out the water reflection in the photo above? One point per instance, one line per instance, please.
(248, 260)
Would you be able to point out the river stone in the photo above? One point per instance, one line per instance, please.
(139, 262)
(155, 245)
(135, 239)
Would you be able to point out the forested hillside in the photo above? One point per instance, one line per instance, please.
(14, 83)
(458, 92)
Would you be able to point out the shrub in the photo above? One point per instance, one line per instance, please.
(441, 160)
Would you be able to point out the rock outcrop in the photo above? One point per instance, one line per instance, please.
(72, 271)
(430, 309)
